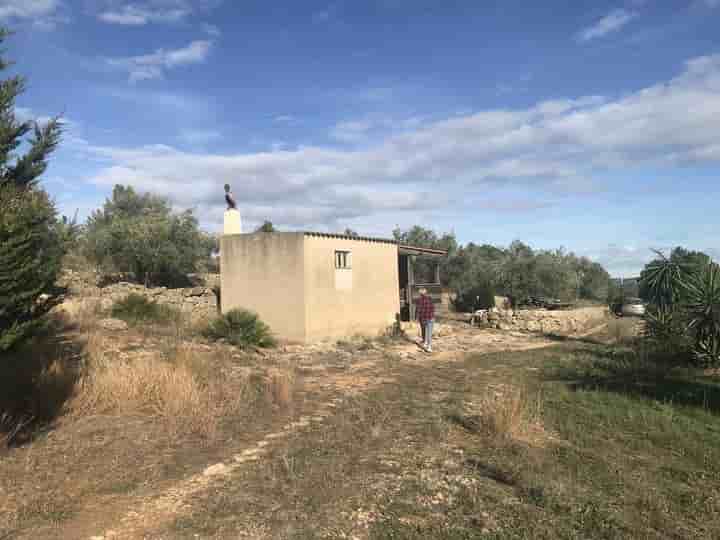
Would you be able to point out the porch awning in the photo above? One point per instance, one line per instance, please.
(421, 251)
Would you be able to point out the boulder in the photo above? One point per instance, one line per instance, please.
(195, 291)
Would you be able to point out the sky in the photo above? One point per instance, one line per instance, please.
(588, 125)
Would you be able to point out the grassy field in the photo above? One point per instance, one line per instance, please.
(577, 441)
(582, 439)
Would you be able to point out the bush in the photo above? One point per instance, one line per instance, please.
(481, 296)
(30, 249)
(684, 305)
(242, 328)
(141, 235)
(29, 262)
(137, 309)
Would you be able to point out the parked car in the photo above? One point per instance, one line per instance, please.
(632, 307)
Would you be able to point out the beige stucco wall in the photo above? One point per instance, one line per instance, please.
(264, 272)
(341, 303)
(291, 281)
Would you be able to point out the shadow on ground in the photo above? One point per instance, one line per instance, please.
(635, 374)
(36, 381)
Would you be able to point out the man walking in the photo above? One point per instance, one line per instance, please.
(425, 311)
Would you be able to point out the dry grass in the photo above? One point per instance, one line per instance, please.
(279, 387)
(506, 413)
(623, 330)
(184, 391)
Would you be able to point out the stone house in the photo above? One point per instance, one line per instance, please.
(309, 286)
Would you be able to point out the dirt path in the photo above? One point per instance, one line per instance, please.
(329, 389)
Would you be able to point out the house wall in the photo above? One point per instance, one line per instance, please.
(361, 300)
(264, 272)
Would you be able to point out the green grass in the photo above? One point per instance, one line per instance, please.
(136, 309)
(629, 450)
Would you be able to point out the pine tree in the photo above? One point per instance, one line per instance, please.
(30, 249)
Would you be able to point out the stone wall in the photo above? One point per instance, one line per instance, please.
(562, 322)
(199, 302)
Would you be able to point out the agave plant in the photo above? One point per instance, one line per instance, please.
(665, 280)
(702, 292)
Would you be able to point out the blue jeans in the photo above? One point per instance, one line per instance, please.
(426, 327)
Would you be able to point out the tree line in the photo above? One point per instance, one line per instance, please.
(476, 272)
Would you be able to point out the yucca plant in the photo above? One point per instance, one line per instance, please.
(703, 308)
(684, 305)
(665, 279)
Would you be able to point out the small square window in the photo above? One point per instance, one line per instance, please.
(343, 259)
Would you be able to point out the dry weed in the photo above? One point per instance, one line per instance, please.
(622, 330)
(279, 387)
(184, 390)
(507, 413)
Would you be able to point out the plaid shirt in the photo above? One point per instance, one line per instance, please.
(425, 309)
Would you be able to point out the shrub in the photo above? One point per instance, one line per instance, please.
(240, 327)
(30, 250)
(481, 296)
(29, 262)
(684, 306)
(137, 309)
(141, 235)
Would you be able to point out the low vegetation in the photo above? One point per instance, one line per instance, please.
(683, 315)
(181, 389)
(583, 440)
(137, 309)
(240, 327)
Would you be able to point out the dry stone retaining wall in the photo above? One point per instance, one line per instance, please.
(564, 322)
(199, 302)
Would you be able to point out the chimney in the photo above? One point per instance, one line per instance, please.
(232, 222)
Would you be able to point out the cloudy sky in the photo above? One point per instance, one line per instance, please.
(591, 125)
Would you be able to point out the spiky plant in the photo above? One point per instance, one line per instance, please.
(684, 304)
(703, 308)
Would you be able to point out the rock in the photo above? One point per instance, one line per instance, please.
(214, 470)
(195, 291)
(114, 325)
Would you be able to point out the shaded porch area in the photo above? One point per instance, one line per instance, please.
(418, 268)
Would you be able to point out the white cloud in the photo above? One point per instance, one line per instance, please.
(154, 65)
(43, 13)
(150, 11)
(27, 8)
(612, 22)
(550, 148)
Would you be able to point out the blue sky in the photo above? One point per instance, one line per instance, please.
(589, 125)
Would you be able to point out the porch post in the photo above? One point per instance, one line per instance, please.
(411, 286)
